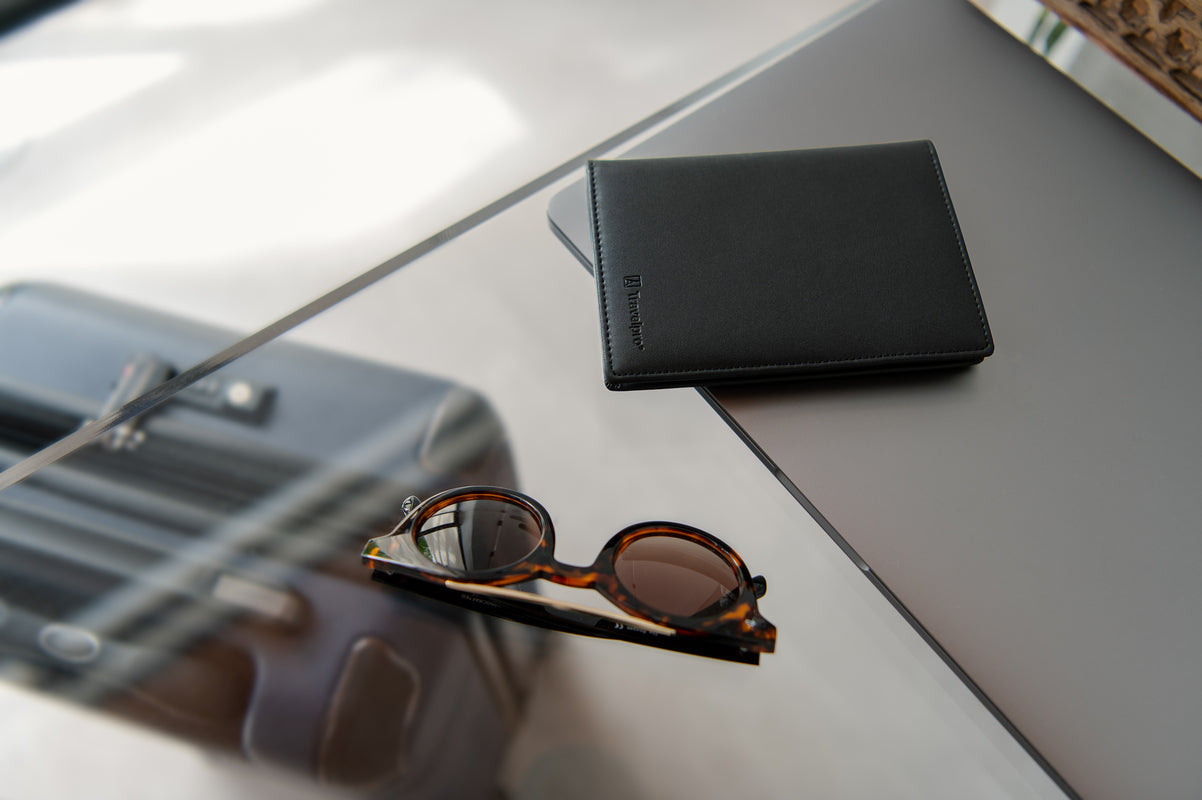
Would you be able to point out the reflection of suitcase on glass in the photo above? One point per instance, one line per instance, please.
(198, 569)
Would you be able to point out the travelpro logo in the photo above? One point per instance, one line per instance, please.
(633, 284)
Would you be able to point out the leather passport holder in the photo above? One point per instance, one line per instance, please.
(755, 266)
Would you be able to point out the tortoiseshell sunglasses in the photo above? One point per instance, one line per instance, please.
(680, 588)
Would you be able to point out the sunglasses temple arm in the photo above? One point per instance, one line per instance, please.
(525, 608)
(631, 629)
(562, 605)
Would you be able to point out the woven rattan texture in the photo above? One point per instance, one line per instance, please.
(1161, 39)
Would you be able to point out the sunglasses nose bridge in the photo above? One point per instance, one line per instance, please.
(568, 575)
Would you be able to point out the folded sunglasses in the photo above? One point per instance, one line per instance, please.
(678, 588)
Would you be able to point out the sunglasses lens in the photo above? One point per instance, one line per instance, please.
(479, 534)
(677, 576)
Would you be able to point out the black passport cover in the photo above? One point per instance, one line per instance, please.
(755, 266)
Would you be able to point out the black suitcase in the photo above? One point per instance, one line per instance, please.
(197, 569)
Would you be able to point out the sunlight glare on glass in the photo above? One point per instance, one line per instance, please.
(211, 13)
(42, 95)
(360, 146)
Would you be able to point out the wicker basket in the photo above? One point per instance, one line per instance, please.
(1160, 39)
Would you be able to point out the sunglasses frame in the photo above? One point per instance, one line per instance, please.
(738, 633)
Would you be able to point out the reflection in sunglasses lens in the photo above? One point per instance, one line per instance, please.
(479, 534)
(677, 576)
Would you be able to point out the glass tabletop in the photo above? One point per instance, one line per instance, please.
(182, 600)
(220, 598)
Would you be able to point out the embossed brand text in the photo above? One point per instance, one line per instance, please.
(633, 284)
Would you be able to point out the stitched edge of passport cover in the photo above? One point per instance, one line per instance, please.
(751, 369)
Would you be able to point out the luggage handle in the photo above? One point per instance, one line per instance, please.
(235, 398)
